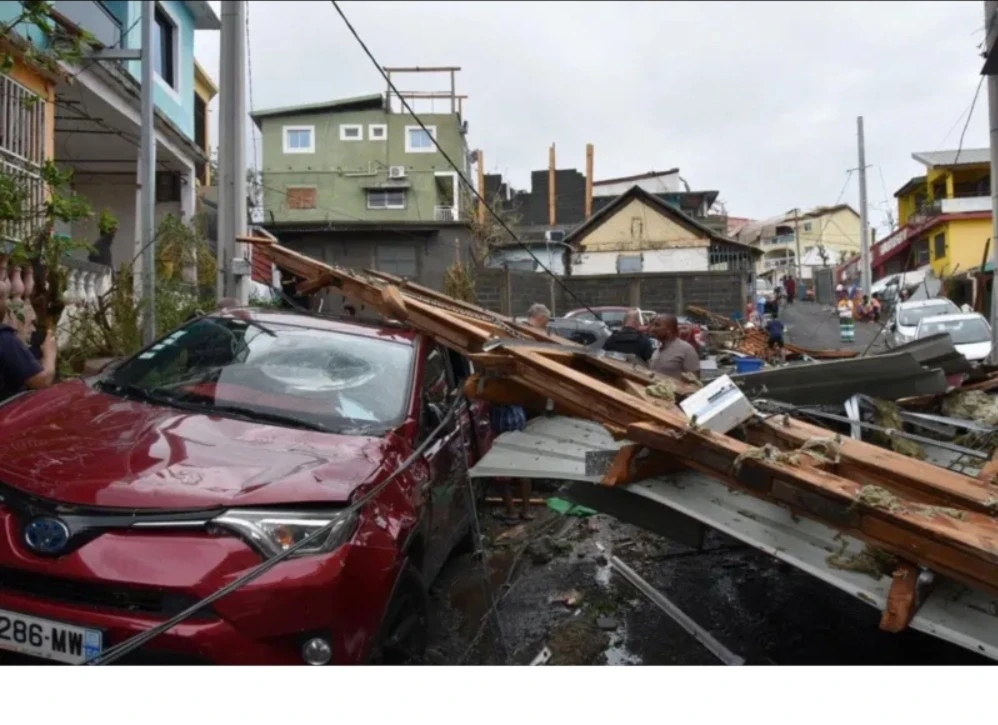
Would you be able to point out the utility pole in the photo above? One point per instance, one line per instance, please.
(797, 241)
(991, 32)
(232, 267)
(147, 180)
(864, 224)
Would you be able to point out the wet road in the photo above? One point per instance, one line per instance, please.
(764, 611)
(816, 327)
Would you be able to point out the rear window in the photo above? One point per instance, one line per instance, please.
(912, 316)
(613, 318)
(962, 332)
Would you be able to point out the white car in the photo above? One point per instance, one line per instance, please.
(971, 333)
(907, 315)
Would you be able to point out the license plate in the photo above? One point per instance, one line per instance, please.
(49, 640)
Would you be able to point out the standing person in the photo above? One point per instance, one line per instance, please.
(675, 356)
(847, 329)
(19, 369)
(775, 345)
(629, 340)
(510, 418)
(772, 306)
(791, 289)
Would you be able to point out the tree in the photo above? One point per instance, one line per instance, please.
(487, 234)
(33, 200)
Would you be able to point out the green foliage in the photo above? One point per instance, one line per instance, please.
(112, 327)
(64, 44)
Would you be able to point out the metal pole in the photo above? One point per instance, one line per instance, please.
(147, 179)
(797, 241)
(864, 228)
(991, 26)
(232, 150)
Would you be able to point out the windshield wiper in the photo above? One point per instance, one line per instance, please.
(134, 391)
(278, 418)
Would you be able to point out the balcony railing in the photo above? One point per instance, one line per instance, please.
(963, 205)
(779, 239)
(444, 214)
(92, 17)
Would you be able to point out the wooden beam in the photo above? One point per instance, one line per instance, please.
(589, 180)
(552, 199)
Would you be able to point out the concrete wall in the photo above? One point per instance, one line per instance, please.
(432, 251)
(965, 242)
(341, 169)
(117, 194)
(659, 260)
(513, 292)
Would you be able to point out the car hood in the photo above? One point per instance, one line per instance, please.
(75, 445)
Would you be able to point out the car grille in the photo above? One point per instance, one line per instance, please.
(133, 600)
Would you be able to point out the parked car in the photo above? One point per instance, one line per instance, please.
(613, 316)
(907, 315)
(591, 333)
(128, 497)
(971, 333)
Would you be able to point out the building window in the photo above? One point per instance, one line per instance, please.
(299, 139)
(377, 132)
(397, 259)
(164, 47)
(22, 153)
(418, 141)
(386, 198)
(351, 132)
(301, 197)
(629, 263)
(807, 226)
(920, 251)
(637, 227)
(939, 244)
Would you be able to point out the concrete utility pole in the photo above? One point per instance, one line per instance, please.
(797, 240)
(991, 31)
(864, 224)
(147, 179)
(233, 269)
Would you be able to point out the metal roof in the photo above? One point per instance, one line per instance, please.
(556, 447)
(373, 101)
(953, 158)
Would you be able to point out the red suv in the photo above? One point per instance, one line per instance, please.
(694, 334)
(126, 498)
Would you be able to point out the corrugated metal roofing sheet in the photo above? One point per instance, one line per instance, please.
(557, 447)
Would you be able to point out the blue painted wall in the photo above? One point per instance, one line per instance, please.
(176, 104)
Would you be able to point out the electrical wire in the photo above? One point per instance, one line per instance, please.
(478, 196)
(133, 643)
(970, 115)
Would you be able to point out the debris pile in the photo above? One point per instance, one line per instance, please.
(929, 515)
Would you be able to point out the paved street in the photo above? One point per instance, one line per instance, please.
(816, 327)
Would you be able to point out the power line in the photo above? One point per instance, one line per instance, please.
(447, 158)
(970, 115)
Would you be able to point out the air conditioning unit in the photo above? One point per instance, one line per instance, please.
(396, 172)
(554, 235)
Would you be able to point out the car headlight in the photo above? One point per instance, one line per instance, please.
(272, 532)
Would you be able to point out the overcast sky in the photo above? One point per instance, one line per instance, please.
(755, 99)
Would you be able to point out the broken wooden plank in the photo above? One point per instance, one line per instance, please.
(902, 599)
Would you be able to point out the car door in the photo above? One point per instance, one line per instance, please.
(445, 458)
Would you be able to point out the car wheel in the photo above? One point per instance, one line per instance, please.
(405, 628)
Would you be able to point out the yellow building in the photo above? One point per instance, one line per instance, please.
(204, 91)
(945, 216)
(835, 228)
